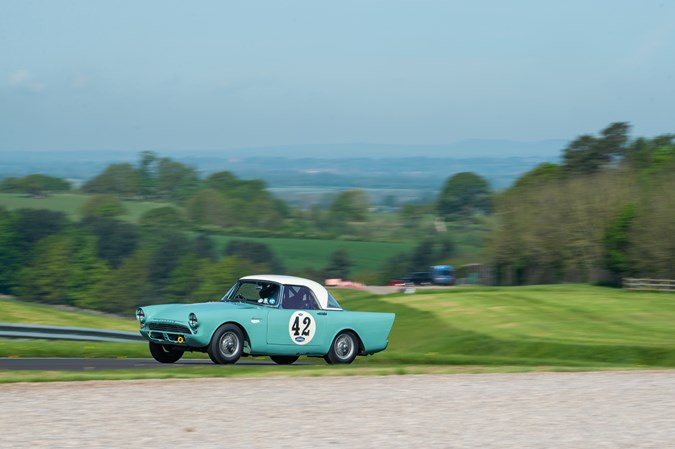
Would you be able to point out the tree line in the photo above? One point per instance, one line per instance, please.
(606, 211)
(103, 263)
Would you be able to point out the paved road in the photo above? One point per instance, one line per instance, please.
(57, 364)
(608, 410)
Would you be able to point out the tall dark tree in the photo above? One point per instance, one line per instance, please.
(204, 247)
(587, 154)
(118, 179)
(255, 252)
(115, 240)
(464, 195)
(147, 171)
(339, 265)
(617, 242)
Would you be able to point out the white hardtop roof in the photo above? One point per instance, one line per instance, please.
(319, 290)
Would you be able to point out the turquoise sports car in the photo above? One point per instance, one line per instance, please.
(282, 317)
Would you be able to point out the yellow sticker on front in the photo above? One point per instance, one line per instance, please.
(180, 340)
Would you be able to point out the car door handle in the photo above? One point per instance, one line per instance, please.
(322, 313)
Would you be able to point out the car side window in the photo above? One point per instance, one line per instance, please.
(247, 291)
(298, 297)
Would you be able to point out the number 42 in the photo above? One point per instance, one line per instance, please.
(296, 326)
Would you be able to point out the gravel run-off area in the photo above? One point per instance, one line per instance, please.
(625, 409)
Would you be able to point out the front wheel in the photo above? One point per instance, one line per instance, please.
(284, 359)
(344, 349)
(227, 345)
(164, 354)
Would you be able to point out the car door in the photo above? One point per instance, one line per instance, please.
(297, 321)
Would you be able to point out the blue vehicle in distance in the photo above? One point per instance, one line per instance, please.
(442, 275)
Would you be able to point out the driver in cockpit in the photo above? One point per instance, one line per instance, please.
(268, 294)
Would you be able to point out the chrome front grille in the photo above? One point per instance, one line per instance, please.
(169, 327)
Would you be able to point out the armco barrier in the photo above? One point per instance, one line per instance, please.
(9, 330)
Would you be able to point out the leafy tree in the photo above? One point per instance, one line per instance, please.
(87, 271)
(103, 205)
(31, 225)
(12, 255)
(147, 174)
(588, 154)
(249, 199)
(165, 217)
(651, 252)
(350, 205)
(175, 180)
(45, 279)
(115, 240)
(20, 231)
(64, 270)
(464, 194)
(339, 265)
(617, 241)
(204, 248)
(185, 279)
(209, 207)
(216, 278)
(541, 175)
(255, 252)
(127, 287)
(117, 179)
(167, 250)
(652, 155)
(429, 252)
(36, 185)
(223, 181)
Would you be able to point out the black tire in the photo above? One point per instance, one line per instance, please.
(227, 345)
(284, 359)
(344, 348)
(165, 354)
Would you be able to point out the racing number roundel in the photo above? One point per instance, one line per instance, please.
(301, 328)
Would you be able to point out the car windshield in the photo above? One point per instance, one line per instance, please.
(257, 292)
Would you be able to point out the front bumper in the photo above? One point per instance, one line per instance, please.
(176, 334)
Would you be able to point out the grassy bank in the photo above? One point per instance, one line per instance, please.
(528, 328)
(561, 325)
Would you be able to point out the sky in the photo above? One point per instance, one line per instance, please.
(217, 75)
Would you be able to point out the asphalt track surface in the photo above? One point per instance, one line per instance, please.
(64, 364)
(602, 410)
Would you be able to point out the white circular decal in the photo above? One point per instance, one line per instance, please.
(301, 328)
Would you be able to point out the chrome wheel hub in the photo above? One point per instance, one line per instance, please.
(229, 344)
(344, 346)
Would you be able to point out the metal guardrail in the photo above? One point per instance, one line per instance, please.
(663, 285)
(9, 330)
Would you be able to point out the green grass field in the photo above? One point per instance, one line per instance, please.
(569, 325)
(565, 326)
(299, 254)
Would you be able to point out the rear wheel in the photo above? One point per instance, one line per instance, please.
(284, 359)
(164, 354)
(344, 348)
(227, 344)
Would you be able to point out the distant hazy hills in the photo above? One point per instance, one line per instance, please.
(359, 165)
(462, 149)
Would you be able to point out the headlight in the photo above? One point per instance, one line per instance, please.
(140, 315)
(192, 321)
